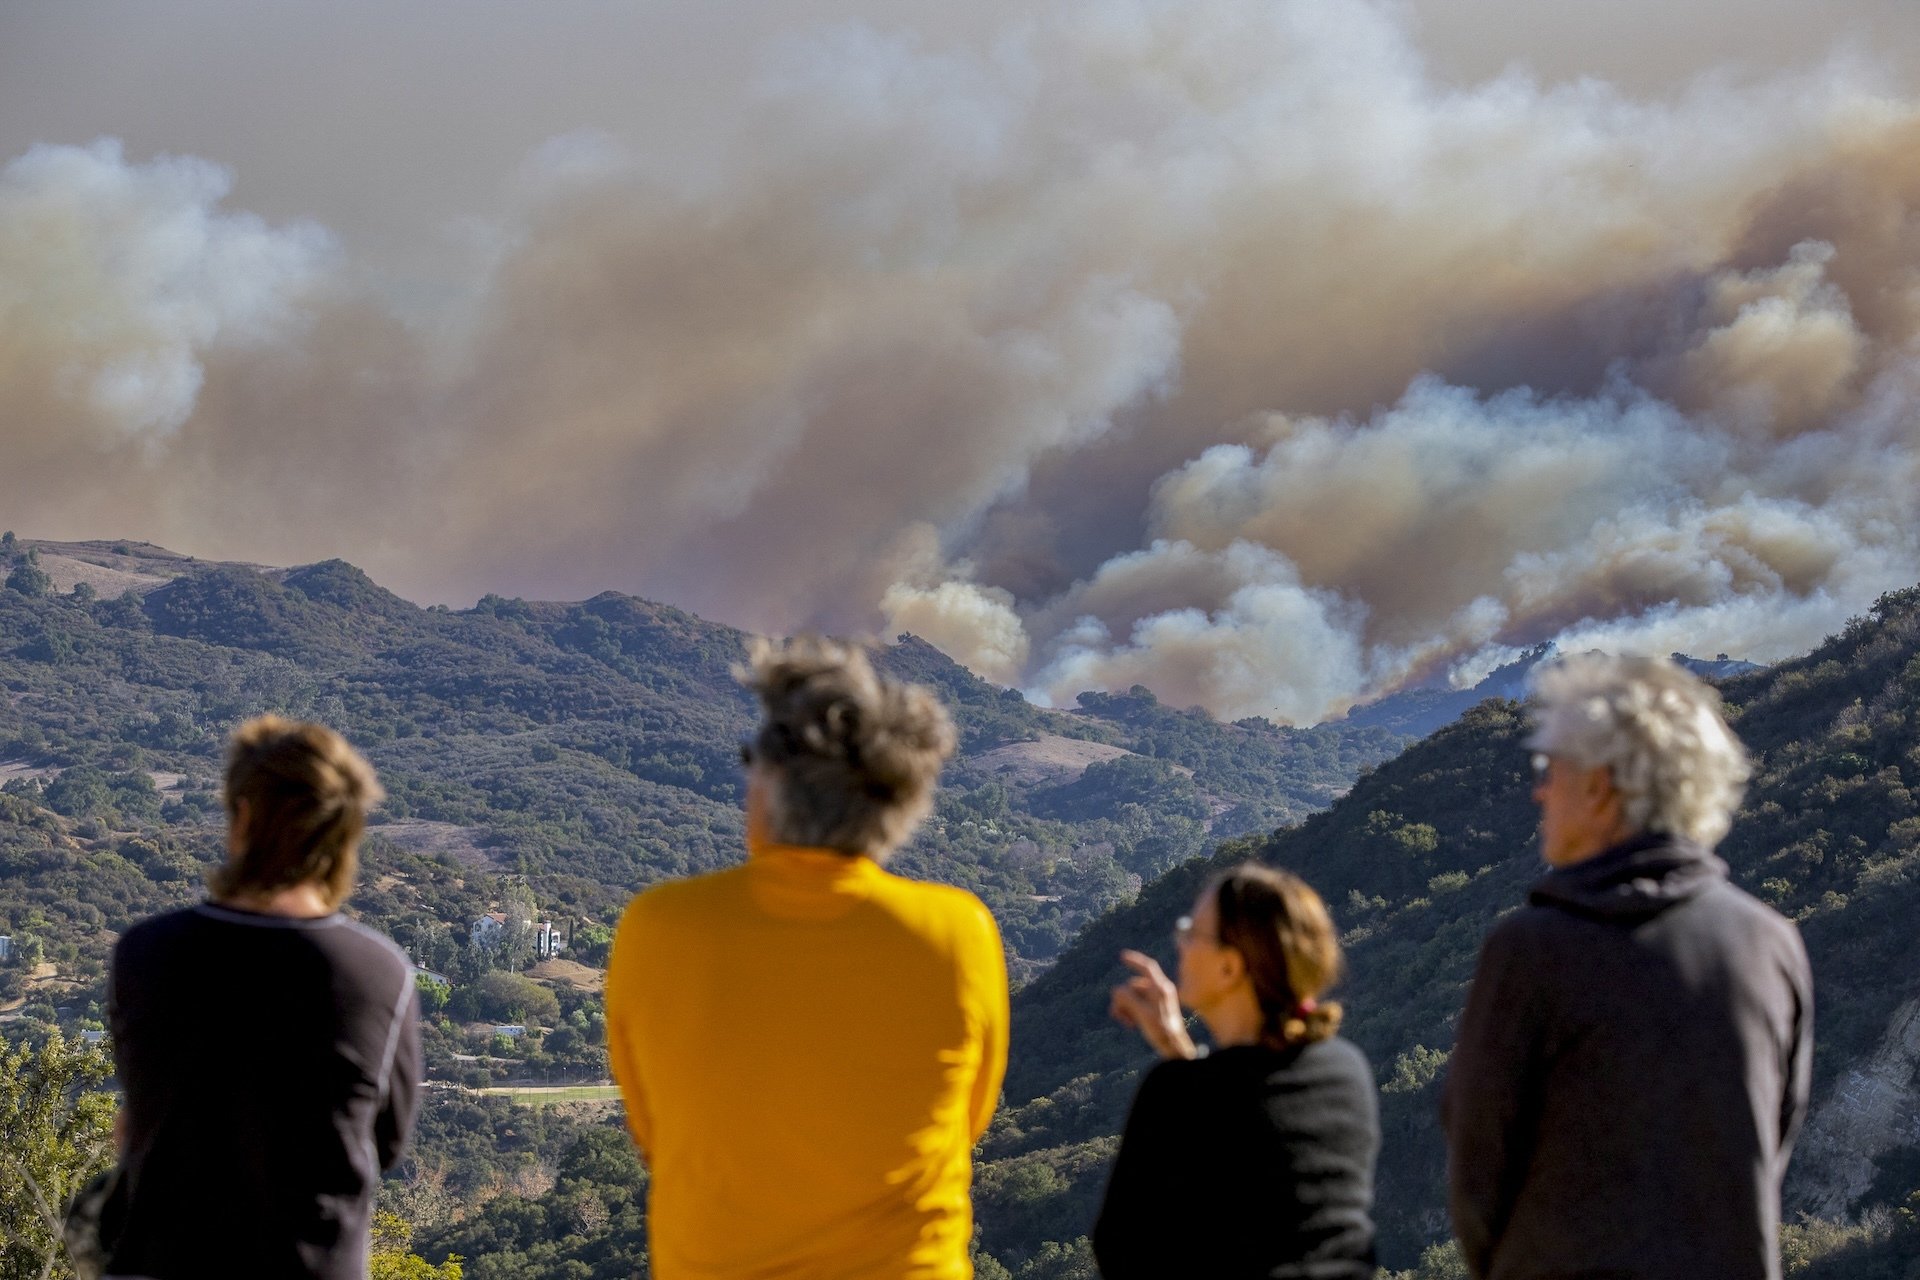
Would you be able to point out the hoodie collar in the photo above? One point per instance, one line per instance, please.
(1634, 880)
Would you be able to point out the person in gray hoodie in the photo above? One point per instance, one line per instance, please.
(1632, 1064)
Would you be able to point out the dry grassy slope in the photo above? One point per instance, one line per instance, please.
(111, 568)
(1048, 760)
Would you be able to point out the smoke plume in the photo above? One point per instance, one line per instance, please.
(1216, 346)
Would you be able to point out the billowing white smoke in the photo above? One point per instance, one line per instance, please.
(118, 279)
(1206, 345)
(1466, 522)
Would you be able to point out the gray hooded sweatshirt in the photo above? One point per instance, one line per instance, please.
(1631, 1069)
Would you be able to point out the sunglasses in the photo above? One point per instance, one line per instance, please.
(1183, 932)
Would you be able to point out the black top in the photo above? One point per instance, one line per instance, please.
(1629, 1075)
(1250, 1162)
(271, 1071)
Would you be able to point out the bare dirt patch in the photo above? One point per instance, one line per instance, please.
(430, 839)
(1049, 759)
(11, 769)
(45, 983)
(570, 973)
(586, 1099)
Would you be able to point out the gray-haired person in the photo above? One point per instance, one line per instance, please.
(1632, 1064)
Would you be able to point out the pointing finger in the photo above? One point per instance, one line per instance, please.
(1142, 963)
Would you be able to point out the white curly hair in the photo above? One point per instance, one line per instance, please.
(1678, 768)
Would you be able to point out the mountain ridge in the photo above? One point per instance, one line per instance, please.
(591, 745)
(1427, 850)
(574, 751)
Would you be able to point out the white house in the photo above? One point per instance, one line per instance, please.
(488, 927)
(547, 941)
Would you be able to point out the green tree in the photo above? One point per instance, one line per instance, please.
(392, 1256)
(434, 994)
(522, 912)
(56, 1131)
(29, 951)
(1438, 1262)
(508, 997)
(28, 578)
(592, 944)
(1415, 1069)
(987, 1267)
(1056, 1261)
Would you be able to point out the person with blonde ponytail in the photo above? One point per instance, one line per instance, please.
(1254, 1159)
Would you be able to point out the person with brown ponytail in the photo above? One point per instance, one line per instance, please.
(1255, 1159)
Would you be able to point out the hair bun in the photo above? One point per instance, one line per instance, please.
(855, 754)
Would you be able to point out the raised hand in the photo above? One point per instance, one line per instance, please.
(1148, 1003)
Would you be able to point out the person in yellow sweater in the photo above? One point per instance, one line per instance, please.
(808, 1045)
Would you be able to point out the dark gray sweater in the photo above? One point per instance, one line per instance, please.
(271, 1069)
(1630, 1073)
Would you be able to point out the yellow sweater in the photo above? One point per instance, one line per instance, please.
(809, 1047)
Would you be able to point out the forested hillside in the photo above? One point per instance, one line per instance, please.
(1424, 854)
(588, 749)
(543, 761)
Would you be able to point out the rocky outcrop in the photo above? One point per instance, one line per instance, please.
(1872, 1109)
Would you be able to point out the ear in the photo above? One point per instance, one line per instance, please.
(1602, 797)
(1233, 965)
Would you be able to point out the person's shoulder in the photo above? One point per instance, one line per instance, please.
(1339, 1055)
(958, 907)
(155, 931)
(690, 893)
(939, 908)
(1537, 947)
(1530, 927)
(368, 943)
(1751, 911)
(1342, 1070)
(1184, 1077)
(1228, 1086)
(1751, 922)
(684, 901)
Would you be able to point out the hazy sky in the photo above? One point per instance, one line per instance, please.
(1268, 352)
(398, 124)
